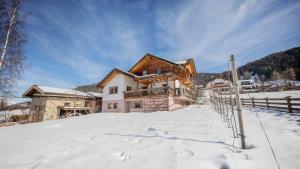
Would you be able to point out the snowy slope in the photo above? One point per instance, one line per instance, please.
(194, 137)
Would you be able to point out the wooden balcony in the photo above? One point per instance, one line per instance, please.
(147, 92)
(162, 91)
(184, 93)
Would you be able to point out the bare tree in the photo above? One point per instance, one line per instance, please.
(246, 75)
(290, 74)
(11, 43)
(263, 79)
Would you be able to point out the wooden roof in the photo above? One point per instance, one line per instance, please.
(148, 57)
(180, 68)
(191, 66)
(188, 64)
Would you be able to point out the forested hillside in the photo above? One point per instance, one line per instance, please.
(279, 65)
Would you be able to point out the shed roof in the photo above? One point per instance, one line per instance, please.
(44, 90)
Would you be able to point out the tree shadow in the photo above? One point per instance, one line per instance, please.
(295, 116)
(200, 133)
(230, 146)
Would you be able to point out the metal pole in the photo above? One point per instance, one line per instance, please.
(237, 98)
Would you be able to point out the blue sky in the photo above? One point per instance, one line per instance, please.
(78, 42)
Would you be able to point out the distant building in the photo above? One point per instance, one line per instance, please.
(50, 103)
(248, 85)
(152, 84)
(218, 83)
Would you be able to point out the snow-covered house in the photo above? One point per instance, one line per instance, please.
(218, 83)
(152, 84)
(50, 103)
(248, 85)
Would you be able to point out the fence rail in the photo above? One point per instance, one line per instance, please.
(288, 103)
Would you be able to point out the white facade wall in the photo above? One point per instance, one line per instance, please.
(116, 81)
(121, 81)
(128, 81)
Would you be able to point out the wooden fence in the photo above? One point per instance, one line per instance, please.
(287, 104)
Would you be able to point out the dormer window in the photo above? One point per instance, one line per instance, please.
(144, 72)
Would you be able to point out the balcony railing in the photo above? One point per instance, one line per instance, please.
(178, 92)
(147, 92)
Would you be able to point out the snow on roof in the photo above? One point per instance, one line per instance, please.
(218, 81)
(14, 100)
(148, 75)
(96, 94)
(127, 72)
(55, 90)
(181, 62)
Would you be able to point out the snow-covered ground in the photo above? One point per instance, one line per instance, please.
(194, 137)
(277, 94)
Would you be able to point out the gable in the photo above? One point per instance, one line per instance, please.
(151, 63)
(32, 90)
(112, 75)
(190, 66)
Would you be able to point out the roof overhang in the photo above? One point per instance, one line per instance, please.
(190, 63)
(111, 75)
(34, 89)
(148, 57)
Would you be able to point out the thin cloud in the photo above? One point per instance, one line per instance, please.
(81, 41)
(212, 31)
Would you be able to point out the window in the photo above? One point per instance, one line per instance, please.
(109, 105)
(115, 105)
(137, 105)
(129, 88)
(158, 71)
(113, 90)
(67, 104)
(144, 72)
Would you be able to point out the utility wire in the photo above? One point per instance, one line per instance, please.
(267, 137)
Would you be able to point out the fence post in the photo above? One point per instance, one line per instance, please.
(253, 103)
(288, 100)
(237, 99)
(267, 102)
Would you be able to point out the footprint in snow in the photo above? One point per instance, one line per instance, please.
(183, 153)
(135, 140)
(122, 156)
(151, 129)
(55, 126)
